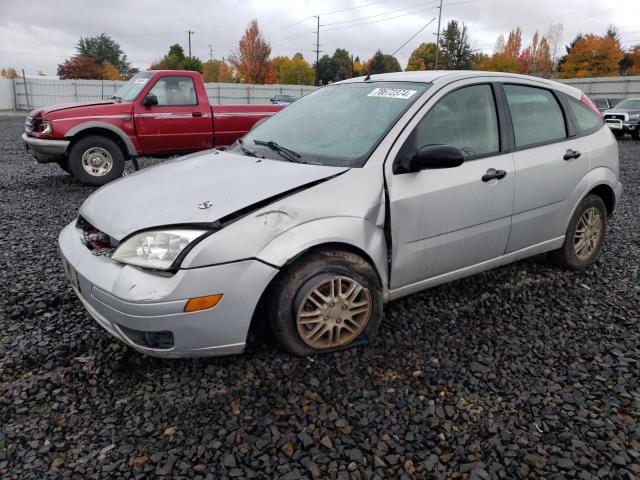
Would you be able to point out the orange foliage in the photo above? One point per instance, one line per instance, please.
(110, 72)
(251, 60)
(593, 56)
(634, 53)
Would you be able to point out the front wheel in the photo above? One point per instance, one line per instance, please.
(96, 160)
(325, 301)
(585, 235)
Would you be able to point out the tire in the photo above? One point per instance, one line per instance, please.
(96, 160)
(291, 298)
(574, 255)
(618, 135)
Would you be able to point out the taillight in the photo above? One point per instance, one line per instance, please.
(588, 103)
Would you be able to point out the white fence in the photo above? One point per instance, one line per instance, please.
(40, 92)
(607, 87)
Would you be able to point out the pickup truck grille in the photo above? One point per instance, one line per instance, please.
(615, 116)
(99, 243)
(31, 123)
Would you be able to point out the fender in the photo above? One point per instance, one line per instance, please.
(131, 149)
(596, 177)
(358, 233)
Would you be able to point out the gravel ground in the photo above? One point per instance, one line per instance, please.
(523, 372)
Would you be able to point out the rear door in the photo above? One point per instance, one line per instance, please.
(181, 122)
(444, 220)
(550, 158)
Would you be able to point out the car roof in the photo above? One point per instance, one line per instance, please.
(448, 76)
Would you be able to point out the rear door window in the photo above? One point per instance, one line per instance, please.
(536, 115)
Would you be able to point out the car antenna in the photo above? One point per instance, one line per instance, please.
(366, 79)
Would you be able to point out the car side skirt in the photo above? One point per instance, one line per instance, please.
(537, 249)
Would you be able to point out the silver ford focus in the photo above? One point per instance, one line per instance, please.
(359, 193)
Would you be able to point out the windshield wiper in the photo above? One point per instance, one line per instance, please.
(245, 150)
(284, 152)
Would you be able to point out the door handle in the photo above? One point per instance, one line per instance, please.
(492, 173)
(196, 114)
(571, 154)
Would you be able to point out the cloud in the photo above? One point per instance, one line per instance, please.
(38, 35)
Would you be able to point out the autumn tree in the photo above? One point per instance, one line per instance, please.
(634, 60)
(500, 62)
(216, 71)
(358, 67)
(554, 37)
(9, 72)
(251, 59)
(456, 53)
(513, 44)
(423, 57)
(110, 72)
(293, 71)
(102, 48)
(80, 68)
(382, 63)
(536, 58)
(593, 56)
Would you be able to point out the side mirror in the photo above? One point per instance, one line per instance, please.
(273, 100)
(149, 100)
(431, 157)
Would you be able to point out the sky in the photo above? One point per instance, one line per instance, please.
(38, 35)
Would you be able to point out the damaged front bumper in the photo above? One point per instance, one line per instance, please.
(145, 309)
(46, 150)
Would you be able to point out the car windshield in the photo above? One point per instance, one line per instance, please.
(130, 90)
(337, 125)
(629, 104)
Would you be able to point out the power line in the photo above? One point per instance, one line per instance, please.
(381, 14)
(413, 36)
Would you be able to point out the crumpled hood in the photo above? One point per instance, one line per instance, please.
(169, 193)
(42, 111)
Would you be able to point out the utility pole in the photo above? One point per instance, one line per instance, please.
(210, 52)
(317, 50)
(189, 32)
(438, 35)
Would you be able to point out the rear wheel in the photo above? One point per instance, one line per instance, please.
(96, 160)
(326, 301)
(585, 235)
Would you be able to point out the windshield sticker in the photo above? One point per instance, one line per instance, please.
(392, 93)
(140, 80)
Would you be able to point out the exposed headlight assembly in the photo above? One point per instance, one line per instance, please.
(634, 116)
(46, 127)
(156, 249)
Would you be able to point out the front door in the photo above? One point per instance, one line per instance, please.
(180, 122)
(444, 220)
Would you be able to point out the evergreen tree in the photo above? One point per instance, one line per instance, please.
(456, 53)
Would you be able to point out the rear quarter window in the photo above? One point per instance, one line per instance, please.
(587, 120)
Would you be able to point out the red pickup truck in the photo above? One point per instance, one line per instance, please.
(156, 113)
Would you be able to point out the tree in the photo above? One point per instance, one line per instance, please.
(9, 72)
(293, 71)
(102, 48)
(593, 56)
(216, 71)
(478, 58)
(110, 72)
(423, 57)
(536, 59)
(514, 43)
(554, 37)
(251, 59)
(176, 60)
(500, 62)
(80, 68)
(325, 70)
(382, 63)
(634, 60)
(358, 67)
(455, 47)
(342, 62)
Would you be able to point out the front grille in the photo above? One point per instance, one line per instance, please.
(98, 242)
(614, 117)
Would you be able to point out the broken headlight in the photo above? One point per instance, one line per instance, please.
(155, 249)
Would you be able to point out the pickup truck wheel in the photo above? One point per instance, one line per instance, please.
(326, 301)
(585, 235)
(96, 160)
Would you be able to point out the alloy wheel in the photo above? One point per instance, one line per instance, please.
(97, 161)
(588, 233)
